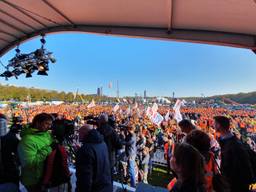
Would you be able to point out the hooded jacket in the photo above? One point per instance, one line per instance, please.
(33, 150)
(112, 141)
(92, 165)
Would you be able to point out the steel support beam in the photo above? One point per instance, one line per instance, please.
(183, 35)
(12, 26)
(58, 11)
(17, 19)
(24, 12)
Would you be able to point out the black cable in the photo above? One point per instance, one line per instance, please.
(3, 64)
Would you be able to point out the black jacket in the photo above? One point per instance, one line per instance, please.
(10, 163)
(92, 165)
(130, 145)
(112, 141)
(235, 164)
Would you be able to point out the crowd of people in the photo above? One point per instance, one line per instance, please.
(211, 149)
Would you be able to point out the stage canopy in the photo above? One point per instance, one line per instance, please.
(218, 22)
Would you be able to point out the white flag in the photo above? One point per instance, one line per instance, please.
(135, 106)
(91, 105)
(115, 109)
(154, 108)
(157, 118)
(177, 116)
(176, 108)
(149, 112)
(167, 116)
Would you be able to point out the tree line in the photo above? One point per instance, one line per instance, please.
(9, 92)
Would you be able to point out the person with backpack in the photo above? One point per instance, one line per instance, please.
(92, 162)
(33, 150)
(235, 159)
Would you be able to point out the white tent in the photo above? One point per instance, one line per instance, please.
(219, 22)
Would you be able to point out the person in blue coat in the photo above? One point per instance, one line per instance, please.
(92, 162)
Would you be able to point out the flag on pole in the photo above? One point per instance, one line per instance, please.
(91, 105)
(135, 105)
(154, 108)
(176, 108)
(167, 116)
(157, 118)
(149, 112)
(110, 85)
(116, 107)
(75, 94)
(81, 98)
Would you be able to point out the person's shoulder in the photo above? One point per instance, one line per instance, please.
(85, 149)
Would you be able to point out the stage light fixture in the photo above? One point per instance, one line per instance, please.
(42, 73)
(29, 63)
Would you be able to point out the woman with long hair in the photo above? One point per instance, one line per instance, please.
(187, 163)
(202, 142)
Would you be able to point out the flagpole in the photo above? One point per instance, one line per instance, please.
(117, 89)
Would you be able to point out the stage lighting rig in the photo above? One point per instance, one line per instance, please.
(29, 63)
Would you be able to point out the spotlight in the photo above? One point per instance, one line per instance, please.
(7, 74)
(42, 73)
(40, 68)
(17, 72)
(28, 75)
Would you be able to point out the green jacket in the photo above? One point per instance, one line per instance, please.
(33, 149)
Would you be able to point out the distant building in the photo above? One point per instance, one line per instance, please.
(145, 94)
(98, 92)
(101, 91)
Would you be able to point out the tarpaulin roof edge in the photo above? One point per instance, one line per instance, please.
(184, 35)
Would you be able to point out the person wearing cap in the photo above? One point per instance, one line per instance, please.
(92, 162)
